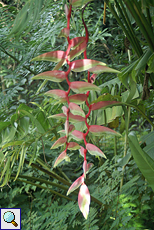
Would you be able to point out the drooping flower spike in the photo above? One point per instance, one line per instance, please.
(72, 112)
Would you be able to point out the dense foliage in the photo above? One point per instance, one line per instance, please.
(121, 197)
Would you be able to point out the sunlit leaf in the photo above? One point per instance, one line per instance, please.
(94, 150)
(73, 146)
(54, 56)
(61, 157)
(80, 86)
(84, 200)
(98, 130)
(76, 41)
(75, 118)
(76, 110)
(77, 51)
(75, 184)
(56, 93)
(102, 104)
(77, 135)
(101, 69)
(76, 98)
(84, 64)
(59, 142)
(55, 75)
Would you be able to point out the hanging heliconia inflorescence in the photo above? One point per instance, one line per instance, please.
(73, 112)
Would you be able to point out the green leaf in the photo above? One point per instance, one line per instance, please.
(142, 159)
(8, 134)
(125, 159)
(7, 174)
(21, 162)
(7, 165)
(98, 130)
(3, 125)
(43, 122)
(34, 151)
(13, 143)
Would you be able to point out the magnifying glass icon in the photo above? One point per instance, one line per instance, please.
(9, 217)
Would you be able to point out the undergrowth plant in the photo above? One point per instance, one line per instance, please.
(72, 111)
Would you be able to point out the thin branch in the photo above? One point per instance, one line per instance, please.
(15, 59)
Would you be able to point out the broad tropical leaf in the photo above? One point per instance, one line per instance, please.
(142, 159)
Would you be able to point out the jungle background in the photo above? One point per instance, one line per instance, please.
(121, 187)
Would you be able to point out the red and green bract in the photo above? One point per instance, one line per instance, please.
(73, 112)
